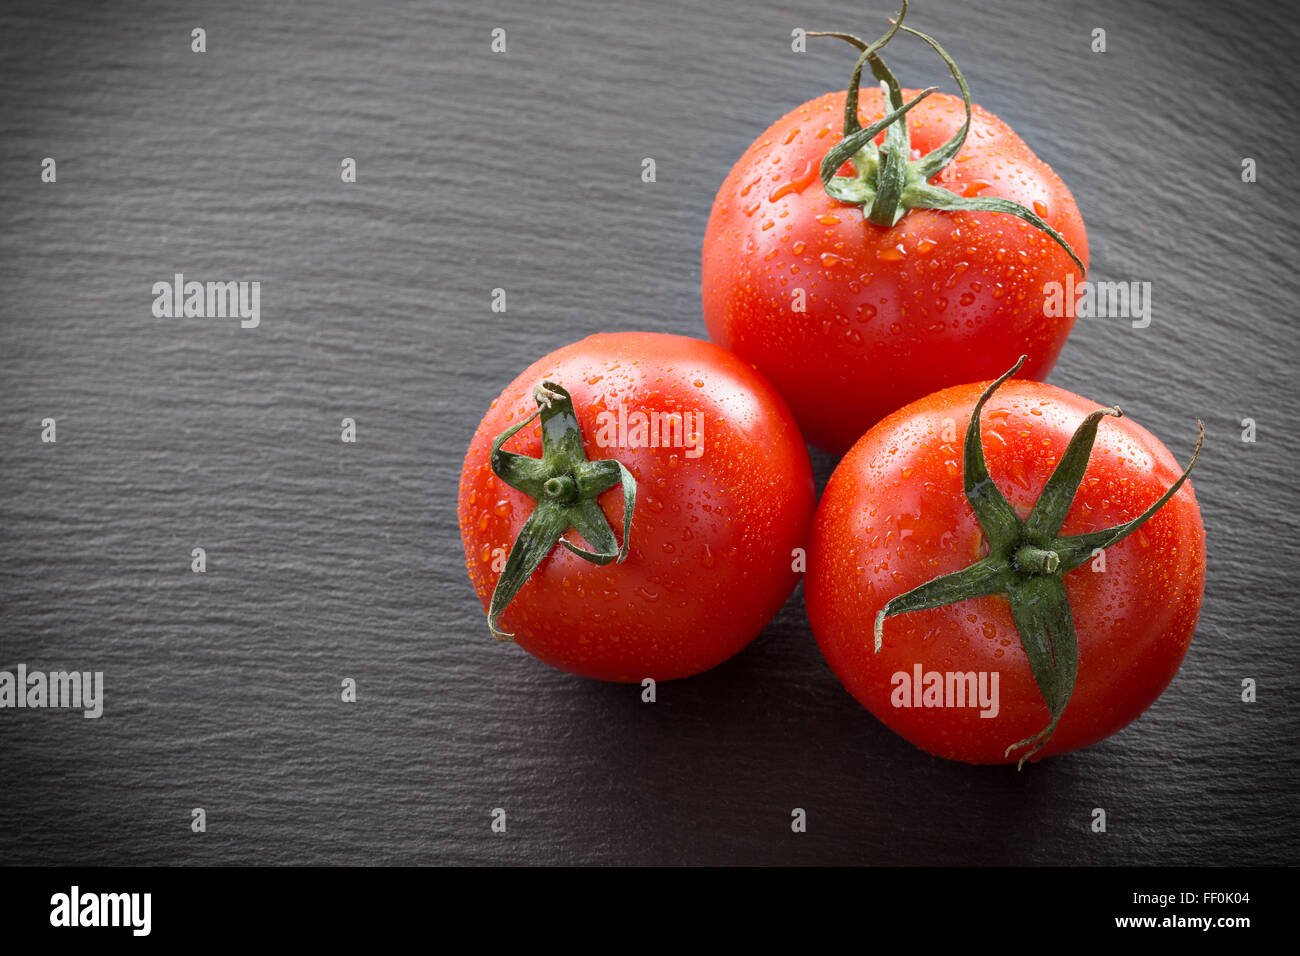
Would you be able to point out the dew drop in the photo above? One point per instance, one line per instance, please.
(1018, 473)
(796, 185)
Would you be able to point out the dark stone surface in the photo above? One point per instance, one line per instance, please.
(521, 171)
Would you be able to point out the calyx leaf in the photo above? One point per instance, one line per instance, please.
(566, 485)
(887, 182)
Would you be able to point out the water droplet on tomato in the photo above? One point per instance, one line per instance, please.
(797, 184)
(1017, 472)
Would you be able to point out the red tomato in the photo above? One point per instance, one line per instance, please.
(715, 520)
(894, 516)
(889, 314)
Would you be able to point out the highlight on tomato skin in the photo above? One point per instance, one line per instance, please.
(850, 318)
(895, 515)
(723, 497)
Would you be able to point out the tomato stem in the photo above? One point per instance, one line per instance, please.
(1028, 560)
(1032, 560)
(886, 181)
(566, 486)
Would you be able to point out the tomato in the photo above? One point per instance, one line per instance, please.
(720, 502)
(895, 517)
(851, 319)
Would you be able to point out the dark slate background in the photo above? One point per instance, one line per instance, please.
(522, 171)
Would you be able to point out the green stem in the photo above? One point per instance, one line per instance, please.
(1032, 560)
(566, 486)
(887, 182)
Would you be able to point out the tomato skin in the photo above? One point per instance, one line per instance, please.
(894, 515)
(712, 535)
(891, 314)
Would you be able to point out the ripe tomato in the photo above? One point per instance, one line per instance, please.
(895, 516)
(719, 506)
(850, 319)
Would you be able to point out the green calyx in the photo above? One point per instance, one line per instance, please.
(887, 182)
(1027, 560)
(566, 486)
